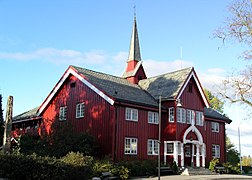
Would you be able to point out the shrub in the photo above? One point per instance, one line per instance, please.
(246, 169)
(107, 166)
(140, 168)
(36, 167)
(213, 163)
(77, 159)
(59, 143)
(175, 167)
(231, 169)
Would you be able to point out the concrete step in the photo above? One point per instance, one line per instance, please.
(196, 171)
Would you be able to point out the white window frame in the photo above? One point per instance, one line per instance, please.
(170, 146)
(131, 114)
(152, 147)
(80, 110)
(199, 118)
(130, 146)
(190, 116)
(181, 115)
(63, 113)
(171, 114)
(215, 126)
(153, 117)
(215, 151)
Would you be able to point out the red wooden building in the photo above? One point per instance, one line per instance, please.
(122, 112)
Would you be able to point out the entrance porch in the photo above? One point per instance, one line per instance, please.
(190, 152)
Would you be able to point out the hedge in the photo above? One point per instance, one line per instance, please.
(36, 167)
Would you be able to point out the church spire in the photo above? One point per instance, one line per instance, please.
(134, 51)
(134, 71)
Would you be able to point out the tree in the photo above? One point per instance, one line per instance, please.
(232, 153)
(246, 161)
(238, 28)
(214, 101)
(1, 121)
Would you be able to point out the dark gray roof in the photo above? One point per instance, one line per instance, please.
(166, 85)
(216, 115)
(117, 87)
(26, 115)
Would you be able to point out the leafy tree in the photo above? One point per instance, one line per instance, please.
(246, 161)
(1, 122)
(214, 101)
(238, 28)
(232, 153)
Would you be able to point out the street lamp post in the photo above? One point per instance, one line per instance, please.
(240, 148)
(159, 136)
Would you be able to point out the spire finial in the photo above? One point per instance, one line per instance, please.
(134, 7)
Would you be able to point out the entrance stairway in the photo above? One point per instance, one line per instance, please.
(190, 171)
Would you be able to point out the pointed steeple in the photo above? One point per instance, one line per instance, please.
(134, 71)
(134, 51)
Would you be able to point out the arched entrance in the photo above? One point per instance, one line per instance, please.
(194, 148)
(189, 152)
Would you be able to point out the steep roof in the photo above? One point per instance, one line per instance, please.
(134, 51)
(216, 115)
(167, 85)
(116, 87)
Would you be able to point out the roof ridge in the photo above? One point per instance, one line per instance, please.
(97, 72)
(169, 73)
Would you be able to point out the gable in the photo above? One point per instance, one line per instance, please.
(72, 71)
(171, 85)
(108, 87)
(193, 76)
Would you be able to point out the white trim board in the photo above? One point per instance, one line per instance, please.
(61, 82)
(198, 85)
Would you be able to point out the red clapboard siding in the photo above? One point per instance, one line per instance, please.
(141, 130)
(192, 100)
(217, 138)
(99, 114)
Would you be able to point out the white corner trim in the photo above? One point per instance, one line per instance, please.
(199, 88)
(60, 83)
(137, 67)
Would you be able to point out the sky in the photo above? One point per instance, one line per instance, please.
(40, 39)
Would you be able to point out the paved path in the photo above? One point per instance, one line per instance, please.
(198, 177)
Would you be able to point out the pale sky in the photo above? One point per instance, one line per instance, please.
(40, 39)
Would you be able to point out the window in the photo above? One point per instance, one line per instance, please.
(171, 114)
(152, 147)
(169, 148)
(215, 127)
(187, 151)
(72, 85)
(131, 114)
(179, 148)
(215, 151)
(130, 146)
(153, 117)
(190, 117)
(63, 113)
(199, 118)
(181, 115)
(80, 110)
